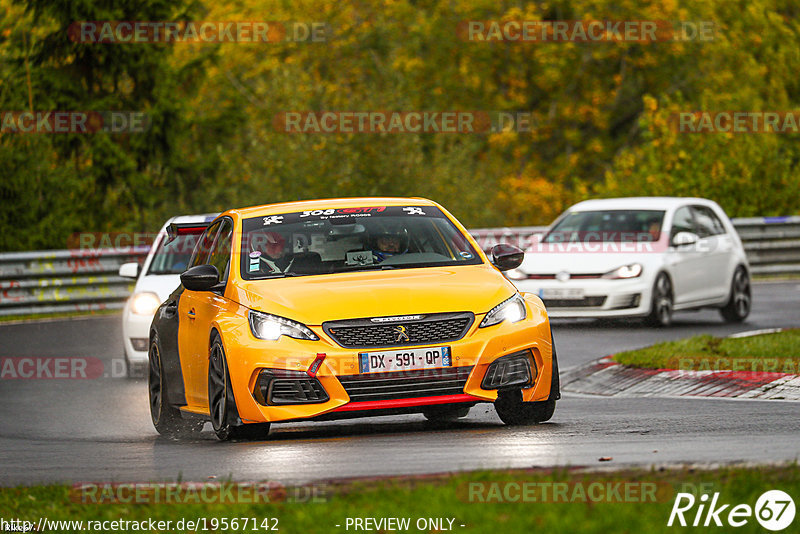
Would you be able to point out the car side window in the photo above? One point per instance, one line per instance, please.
(220, 255)
(707, 222)
(682, 221)
(201, 251)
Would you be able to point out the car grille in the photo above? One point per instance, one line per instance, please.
(363, 333)
(406, 384)
(586, 302)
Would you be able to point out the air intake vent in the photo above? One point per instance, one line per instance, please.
(406, 384)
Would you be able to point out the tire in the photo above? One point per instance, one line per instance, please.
(439, 414)
(221, 403)
(167, 419)
(514, 412)
(740, 301)
(662, 302)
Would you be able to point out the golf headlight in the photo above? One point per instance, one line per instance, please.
(626, 271)
(512, 310)
(272, 327)
(515, 274)
(145, 303)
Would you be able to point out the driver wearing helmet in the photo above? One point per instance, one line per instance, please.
(274, 254)
(388, 242)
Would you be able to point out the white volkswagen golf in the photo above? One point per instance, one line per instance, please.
(638, 257)
(158, 277)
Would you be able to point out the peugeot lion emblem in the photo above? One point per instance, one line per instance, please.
(401, 334)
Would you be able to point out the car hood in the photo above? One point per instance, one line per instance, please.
(313, 300)
(544, 262)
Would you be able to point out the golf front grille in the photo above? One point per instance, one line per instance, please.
(406, 384)
(586, 302)
(429, 329)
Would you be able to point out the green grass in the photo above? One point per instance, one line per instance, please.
(778, 352)
(445, 497)
(57, 315)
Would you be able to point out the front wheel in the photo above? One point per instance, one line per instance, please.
(513, 412)
(166, 418)
(738, 307)
(222, 404)
(662, 302)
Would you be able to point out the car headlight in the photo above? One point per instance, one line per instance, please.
(512, 310)
(145, 303)
(626, 271)
(272, 327)
(515, 274)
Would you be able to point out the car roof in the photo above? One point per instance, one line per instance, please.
(303, 205)
(661, 203)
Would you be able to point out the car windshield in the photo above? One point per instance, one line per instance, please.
(607, 226)
(351, 239)
(173, 257)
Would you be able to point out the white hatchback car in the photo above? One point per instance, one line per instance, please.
(638, 257)
(159, 276)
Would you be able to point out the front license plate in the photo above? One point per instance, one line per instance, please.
(561, 293)
(404, 360)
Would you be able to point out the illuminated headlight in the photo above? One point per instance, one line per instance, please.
(515, 274)
(626, 271)
(511, 310)
(272, 327)
(145, 303)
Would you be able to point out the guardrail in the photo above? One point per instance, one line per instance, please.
(87, 280)
(56, 281)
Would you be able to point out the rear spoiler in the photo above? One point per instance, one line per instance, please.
(176, 229)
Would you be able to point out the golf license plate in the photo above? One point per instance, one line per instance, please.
(561, 293)
(404, 359)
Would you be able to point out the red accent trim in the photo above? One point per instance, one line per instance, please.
(315, 365)
(405, 403)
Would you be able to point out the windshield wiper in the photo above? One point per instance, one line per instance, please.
(279, 275)
(372, 267)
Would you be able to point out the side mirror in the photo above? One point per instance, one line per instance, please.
(684, 238)
(200, 278)
(506, 257)
(129, 270)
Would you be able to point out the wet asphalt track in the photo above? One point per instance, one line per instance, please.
(97, 430)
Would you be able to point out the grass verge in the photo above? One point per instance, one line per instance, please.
(777, 352)
(514, 501)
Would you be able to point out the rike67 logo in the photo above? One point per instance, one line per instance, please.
(774, 510)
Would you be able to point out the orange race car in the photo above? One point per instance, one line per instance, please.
(329, 309)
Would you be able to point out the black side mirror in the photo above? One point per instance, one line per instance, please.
(506, 257)
(200, 278)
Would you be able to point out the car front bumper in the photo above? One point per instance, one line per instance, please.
(135, 327)
(602, 297)
(472, 354)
